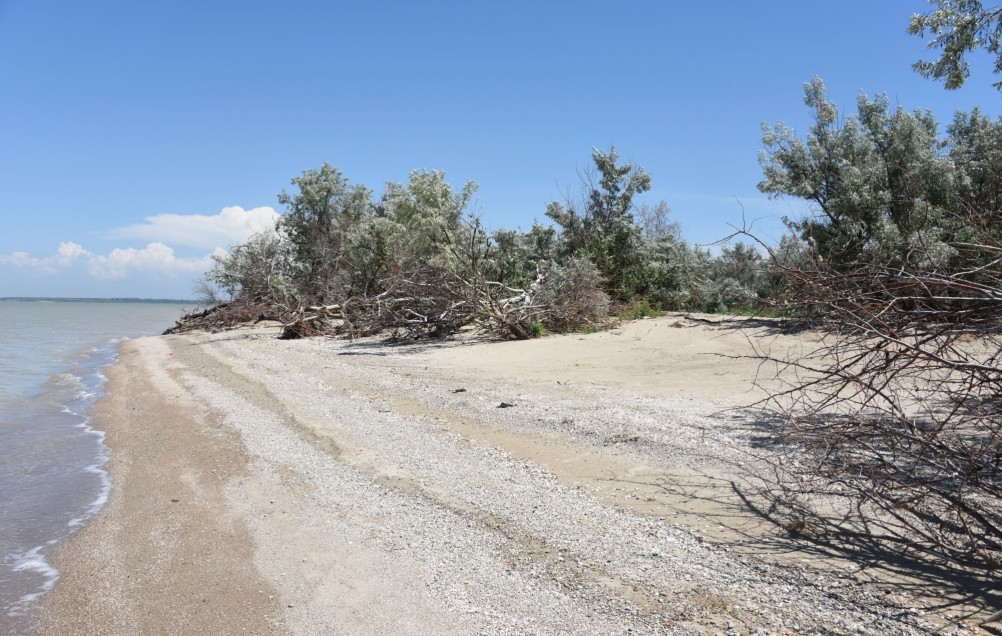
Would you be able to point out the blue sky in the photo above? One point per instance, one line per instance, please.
(138, 137)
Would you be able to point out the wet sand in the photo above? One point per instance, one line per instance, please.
(166, 555)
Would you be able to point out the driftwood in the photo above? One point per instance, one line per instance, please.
(223, 316)
(315, 324)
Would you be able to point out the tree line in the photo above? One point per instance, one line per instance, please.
(887, 188)
(416, 261)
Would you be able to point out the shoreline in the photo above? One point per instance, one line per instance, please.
(128, 566)
(310, 487)
(53, 372)
(60, 413)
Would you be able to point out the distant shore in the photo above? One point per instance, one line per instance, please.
(583, 483)
(172, 301)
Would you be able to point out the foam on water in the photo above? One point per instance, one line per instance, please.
(32, 561)
(103, 494)
(73, 394)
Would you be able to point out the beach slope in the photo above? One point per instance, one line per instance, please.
(588, 484)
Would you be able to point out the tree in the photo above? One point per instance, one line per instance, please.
(737, 279)
(414, 259)
(655, 224)
(958, 27)
(880, 182)
(260, 272)
(429, 214)
(601, 223)
(316, 220)
(975, 147)
(515, 257)
(252, 281)
(741, 262)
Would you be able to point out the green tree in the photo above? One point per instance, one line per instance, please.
(429, 216)
(601, 224)
(316, 220)
(676, 273)
(958, 27)
(880, 182)
(655, 224)
(259, 272)
(975, 147)
(515, 257)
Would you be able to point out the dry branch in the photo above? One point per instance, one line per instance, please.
(895, 421)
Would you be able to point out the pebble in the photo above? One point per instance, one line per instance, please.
(499, 540)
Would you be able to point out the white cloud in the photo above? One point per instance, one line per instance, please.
(69, 252)
(232, 226)
(156, 258)
(65, 256)
(21, 259)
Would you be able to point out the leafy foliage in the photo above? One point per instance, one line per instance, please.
(601, 222)
(316, 221)
(883, 189)
(262, 270)
(417, 262)
(958, 27)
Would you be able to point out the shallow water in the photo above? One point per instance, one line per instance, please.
(52, 358)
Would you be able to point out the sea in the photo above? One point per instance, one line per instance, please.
(53, 354)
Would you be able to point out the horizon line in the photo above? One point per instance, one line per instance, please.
(98, 299)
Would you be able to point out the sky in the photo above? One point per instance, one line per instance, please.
(139, 138)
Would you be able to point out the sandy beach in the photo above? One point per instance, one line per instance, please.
(580, 484)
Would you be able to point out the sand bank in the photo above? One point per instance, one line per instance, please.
(582, 484)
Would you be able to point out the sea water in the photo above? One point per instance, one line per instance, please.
(53, 354)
